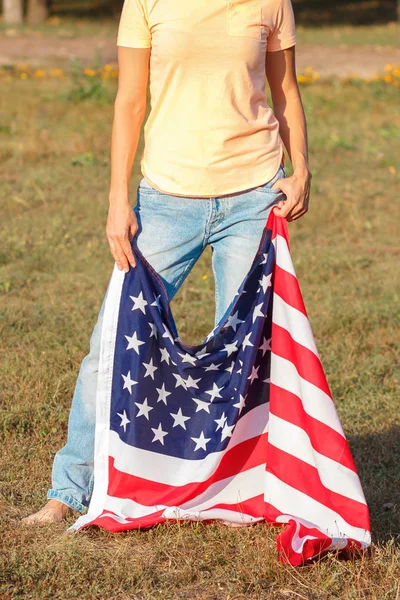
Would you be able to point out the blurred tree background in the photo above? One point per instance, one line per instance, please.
(308, 12)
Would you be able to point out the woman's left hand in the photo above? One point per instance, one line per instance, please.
(297, 191)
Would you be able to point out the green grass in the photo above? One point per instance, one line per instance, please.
(55, 266)
(325, 28)
(346, 35)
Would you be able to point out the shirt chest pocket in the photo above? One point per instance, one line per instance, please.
(244, 19)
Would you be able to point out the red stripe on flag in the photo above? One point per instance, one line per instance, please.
(252, 506)
(323, 438)
(114, 525)
(287, 287)
(305, 478)
(278, 225)
(246, 455)
(307, 364)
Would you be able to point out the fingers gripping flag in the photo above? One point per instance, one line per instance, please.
(240, 428)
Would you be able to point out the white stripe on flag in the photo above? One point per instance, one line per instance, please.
(283, 258)
(236, 489)
(295, 441)
(316, 403)
(228, 517)
(294, 322)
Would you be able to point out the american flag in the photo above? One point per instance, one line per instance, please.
(238, 429)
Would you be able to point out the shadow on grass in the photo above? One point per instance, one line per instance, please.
(341, 12)
(377, 460)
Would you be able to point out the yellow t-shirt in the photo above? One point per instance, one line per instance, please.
(210, 130)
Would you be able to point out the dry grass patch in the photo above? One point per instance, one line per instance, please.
(55, 265)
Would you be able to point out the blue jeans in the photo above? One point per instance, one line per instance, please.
(173, 232)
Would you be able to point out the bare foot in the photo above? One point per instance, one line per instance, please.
(52, 512)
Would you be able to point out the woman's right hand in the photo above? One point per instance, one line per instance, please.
(121, 227)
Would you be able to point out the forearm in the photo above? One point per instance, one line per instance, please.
(293, 129)
(127, 122)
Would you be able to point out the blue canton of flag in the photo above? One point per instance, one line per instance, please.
(190, 397)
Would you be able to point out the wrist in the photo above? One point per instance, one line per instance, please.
(302, 171)
(115, 198)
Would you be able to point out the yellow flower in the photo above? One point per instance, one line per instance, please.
(107, 67)
(388, 78)
(89, 72)
(39, 73)
(388, 67)
(205, 277)
(57, 73)
(24, 75)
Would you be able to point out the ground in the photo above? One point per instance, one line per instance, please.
(54, 268)
(335, 50)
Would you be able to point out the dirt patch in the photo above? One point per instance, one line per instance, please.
(363, 61)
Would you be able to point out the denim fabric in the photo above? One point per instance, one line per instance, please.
(173, 232)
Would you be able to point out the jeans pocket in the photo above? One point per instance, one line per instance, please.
(266, 187)
(244, 19)
(144, 186)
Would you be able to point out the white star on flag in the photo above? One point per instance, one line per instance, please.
(233, 321)
(201, 441)
(159, 434)
(179, 381)
(202, 353)
(150, 368)
(266, 345)
(179, 419)
(227, 431)
(162, 394)
(254, 373)
(156, 302)
(201, 405)
(190, 382)
(188, 358)
(128, 382)
(165, 355)
(144, 409)
(139, 302)
(215, 392)
(153, 330)
(167, 333)
(246, 341)
(124, 420)
(212, 367)
(265, 281)
(257, 311)
(220, 422)
(241, 403)
(134, 343)
(230, 369)
(230, 348)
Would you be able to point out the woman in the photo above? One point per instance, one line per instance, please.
(212, 166)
